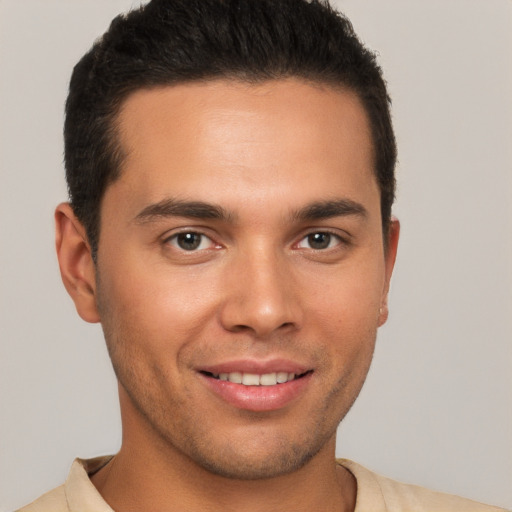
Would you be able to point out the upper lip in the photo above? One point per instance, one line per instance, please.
(256, 367)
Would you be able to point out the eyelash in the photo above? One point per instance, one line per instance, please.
(174, 241)
(340, 241)
(175, 238)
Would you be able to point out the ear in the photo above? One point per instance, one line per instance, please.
(390, 257)
(75, 261)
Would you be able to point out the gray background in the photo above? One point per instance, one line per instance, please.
(437, 406)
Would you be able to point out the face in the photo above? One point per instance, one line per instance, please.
(241, 273)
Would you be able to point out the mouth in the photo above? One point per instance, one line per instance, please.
(259, 392)
(255, 379)
(259, 386)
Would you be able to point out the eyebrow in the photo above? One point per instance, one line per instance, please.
(327, 209)
(318, 210)
(172, 207)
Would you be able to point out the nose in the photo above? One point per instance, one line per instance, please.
(262, 296)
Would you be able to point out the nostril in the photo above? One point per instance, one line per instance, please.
(239, 328)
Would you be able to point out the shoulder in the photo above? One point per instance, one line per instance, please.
(78, 492)
(53, 501)
(376, 493)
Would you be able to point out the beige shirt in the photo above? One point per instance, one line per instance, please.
(374, 494)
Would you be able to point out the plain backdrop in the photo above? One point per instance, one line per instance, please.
(437, 407)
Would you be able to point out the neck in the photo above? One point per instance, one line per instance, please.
(131, 483)
(149, 474)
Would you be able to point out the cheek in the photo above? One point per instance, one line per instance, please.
(349, 298)
(345, 313)
(153, 306)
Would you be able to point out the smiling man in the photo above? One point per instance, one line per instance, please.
(231, 173)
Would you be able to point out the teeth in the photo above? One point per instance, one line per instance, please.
(282, 377)
(235, 377)
(268, 379)
(251, 379)
(254, 379)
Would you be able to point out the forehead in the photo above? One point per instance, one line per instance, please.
(216, 108)
(278, 138)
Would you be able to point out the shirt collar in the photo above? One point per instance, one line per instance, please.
(80, 491)
(82, 495)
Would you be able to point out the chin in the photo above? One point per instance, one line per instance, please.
(253, 467)
(259, 457)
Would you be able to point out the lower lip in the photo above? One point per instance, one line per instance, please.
(258, 398)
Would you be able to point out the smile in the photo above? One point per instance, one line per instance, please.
(259, 392)
(255, 379)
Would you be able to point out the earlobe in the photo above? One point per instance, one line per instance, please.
(390, 258)
(75, 261)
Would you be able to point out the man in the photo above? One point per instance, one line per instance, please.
(230, 167)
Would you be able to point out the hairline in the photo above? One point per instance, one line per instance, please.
(119, 153)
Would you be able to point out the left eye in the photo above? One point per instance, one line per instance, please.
(319, 241)
(190, 241)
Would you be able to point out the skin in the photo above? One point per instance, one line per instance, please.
(256, 288)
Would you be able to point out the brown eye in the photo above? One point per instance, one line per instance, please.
(190, 241)
(319, 240)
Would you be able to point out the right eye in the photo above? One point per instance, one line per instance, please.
(190, 241)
